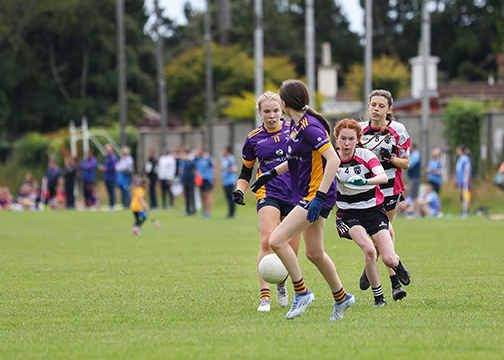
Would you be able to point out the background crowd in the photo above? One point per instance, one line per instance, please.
(190, 174)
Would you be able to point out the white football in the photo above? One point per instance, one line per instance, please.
(271, 269)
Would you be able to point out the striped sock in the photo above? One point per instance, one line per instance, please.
(299, 287)
(377, 292)
(265, 294)
(282, 283)
(339, 296)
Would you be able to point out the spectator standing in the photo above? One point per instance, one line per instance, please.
(434, 169)
(187, 175)
(229, 178)
(52, 173)
(463, 171)
(88, 168)
(109, 173)
(69, 172)
(151, 170)
(124, 170)
(167, 167)
(414, 175)
(205, 165)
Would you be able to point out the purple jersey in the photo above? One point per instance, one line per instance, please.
(269, 148)
(308, 139)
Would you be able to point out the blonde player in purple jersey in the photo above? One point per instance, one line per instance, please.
(267, 145)
(390, 141)
(312, 164)
(360, 205)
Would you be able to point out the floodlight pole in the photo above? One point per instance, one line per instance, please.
(425, 93)
(310, 49)
(163, 108)
(209, 78)
(258, 54)
(121, 62)
(368, 52)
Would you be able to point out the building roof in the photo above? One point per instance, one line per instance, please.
(476, 90)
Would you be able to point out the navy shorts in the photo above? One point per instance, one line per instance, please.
(206, 186)
(324, 212)
(392, 202)
(284, 207)
(373, 220)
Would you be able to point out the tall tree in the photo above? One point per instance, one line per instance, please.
(464, 33)
(283, 23)
(64, 65)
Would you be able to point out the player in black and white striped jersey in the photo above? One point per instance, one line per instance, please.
(390, 141)
(360, 205)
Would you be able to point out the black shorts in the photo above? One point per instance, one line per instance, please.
(206, 185)
(373, 220)
(392, 202)
(324, 212)
(284, 207)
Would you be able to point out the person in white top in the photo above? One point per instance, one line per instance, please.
(360, 205)
(167, 169)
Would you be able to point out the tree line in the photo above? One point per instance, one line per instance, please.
(58, 58)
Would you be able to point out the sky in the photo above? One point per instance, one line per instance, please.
(173, 10)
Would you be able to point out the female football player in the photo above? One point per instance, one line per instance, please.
(360, 205)
(389, 140)
(267, 145)
(312, 163)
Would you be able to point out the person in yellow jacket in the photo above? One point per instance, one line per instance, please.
(138, 205)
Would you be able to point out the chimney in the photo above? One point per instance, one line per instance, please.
(327, 75)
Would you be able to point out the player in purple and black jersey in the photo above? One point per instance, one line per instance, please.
(312, 163)
(360, 205)
(267, 146)
(389, 140)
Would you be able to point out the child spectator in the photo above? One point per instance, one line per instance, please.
(138, 204)
(28, 193)
(429, 202)
(60, 198)
(6, 199)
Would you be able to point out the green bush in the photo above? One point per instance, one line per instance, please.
(463, 120)
(31, 150)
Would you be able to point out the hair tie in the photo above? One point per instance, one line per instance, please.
(305, 108)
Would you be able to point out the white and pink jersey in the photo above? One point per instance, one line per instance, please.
(366, 165)
(394, 138)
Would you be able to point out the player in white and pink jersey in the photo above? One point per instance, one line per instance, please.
(360, 206)
(389, 140)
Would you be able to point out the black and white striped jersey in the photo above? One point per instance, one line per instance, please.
(366, 165)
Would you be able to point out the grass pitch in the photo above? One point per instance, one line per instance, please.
(78, 285)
